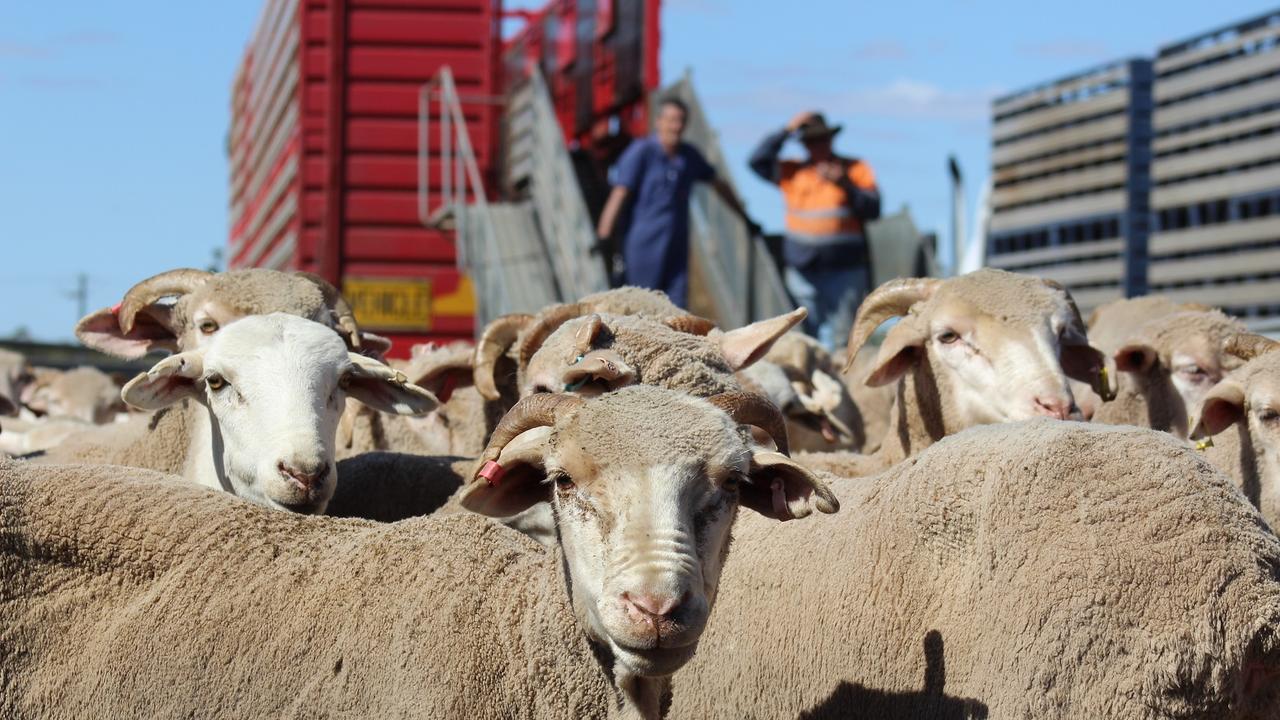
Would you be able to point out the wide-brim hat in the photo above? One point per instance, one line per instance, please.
(816, 128)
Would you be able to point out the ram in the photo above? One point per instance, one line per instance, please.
(987, 347)
(1045, 569)
(160, 600)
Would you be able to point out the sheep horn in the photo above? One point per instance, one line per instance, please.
(531, 412)
(748, 408)
(1248, 346)
(891, 299)
(498, 337)
(338, 304)
(692, 324)
(173, 282)
(547, 322)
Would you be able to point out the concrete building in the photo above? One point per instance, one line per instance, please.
(1071, 166)
(1216, 171)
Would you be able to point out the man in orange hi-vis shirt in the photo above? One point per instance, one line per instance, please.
(828, 200)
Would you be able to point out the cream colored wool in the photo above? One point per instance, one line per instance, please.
(802, 359)
(1030, 570)
(155, 441)
(129, 596)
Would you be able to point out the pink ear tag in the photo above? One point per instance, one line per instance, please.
(492, 473)
(115, 309)
(780, 500)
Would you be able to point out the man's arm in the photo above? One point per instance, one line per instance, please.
(731, 199)
(764, 159)
(859, 185)
(612, 207)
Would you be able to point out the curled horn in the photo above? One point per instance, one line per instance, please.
(498, 336)
(547, 322)
(1248, 346)
(531, 412)
(748, 408)
(173, 282)
(891, 299)
(338, 304)
(692, 324)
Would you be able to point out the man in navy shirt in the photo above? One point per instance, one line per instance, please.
(658, 173)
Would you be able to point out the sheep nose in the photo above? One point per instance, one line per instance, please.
(1052, 406)
(308, 476)
(651, 608)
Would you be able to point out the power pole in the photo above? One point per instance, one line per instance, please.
(81, 295)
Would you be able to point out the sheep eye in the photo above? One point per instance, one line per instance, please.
(564, 482)
(215, 382)
(208, 327)
(732, 482)
(344, 382)
(947, 337)
(1269, 415)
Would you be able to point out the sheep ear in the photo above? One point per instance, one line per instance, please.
(598, 371)
(1135, 358)
(902, 348)
(1080, 360)
(170, 380)
(386, 389)
(1222, 407)
(151, 331)
(748, 344)
(783, 490)
(520, 485)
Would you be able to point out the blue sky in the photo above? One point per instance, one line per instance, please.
(113, 115)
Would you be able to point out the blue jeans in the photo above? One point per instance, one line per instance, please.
(831, 297)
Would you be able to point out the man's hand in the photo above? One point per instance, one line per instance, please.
(831, 170)
(800, 119)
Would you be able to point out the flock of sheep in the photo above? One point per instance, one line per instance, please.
(283, 525)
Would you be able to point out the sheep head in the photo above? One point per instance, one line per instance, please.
(645, 484)
(84, 393)
(181, 309)
(1250, 394)
(999, 346)
(274, 387)
(601, 352)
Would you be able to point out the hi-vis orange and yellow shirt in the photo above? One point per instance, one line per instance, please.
(818, 210)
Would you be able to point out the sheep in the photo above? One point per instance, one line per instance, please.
(1029, 570)
(273, 387)
(509, 342)
(145, 321)
(1241, 413)
(986, 347)
(1167, 367)
(1110, 326)
(460, 426)
(799, 376)
(84, 393)
(138, 603)
(875, 404)
(15, 372)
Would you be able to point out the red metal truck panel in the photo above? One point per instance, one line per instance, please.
(324, 139)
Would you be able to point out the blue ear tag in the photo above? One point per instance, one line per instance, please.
(570, 387)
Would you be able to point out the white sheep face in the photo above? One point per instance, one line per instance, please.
(274, 387)
(643, 507)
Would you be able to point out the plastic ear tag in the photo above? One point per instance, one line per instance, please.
(115, 309)
(571, 387)
(1204, 444)
(1105, 390)
(491, 472)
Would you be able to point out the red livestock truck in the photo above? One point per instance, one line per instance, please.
(324, 135)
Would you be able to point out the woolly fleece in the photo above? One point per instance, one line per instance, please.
(1027, 570)
(128, 595)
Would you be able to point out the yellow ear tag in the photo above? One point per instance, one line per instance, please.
(1104, 385)
(1204, 444)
